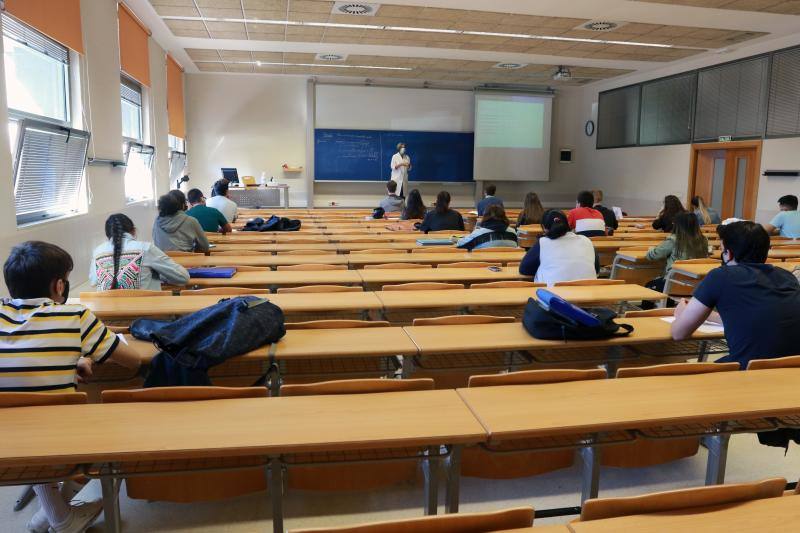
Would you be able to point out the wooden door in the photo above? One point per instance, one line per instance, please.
(726, 176)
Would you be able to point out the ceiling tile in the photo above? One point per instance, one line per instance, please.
(241, 35)
(222, 13)
(219, 3)
(185, 25)
(266, 5)
(311, 6)
(235, 55)
(258, 36)
(262, 14)
(211, 67)
(225, 26)
(399, 11)
(177, 11)
(273, 57)
(184, 3)
(199, 53)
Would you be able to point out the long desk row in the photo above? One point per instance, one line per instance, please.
(111, 308)
(165, 437)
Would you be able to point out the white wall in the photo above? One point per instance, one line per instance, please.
(99, 77)
(253, 123)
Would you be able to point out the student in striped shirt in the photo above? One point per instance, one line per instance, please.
(46, 346)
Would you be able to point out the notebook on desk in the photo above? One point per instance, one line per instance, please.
(212, 272)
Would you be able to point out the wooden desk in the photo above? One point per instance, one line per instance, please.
(149, 306)
(462, 275)
(512, 336)
(265, 259)
(270, 278)
(613, 246)
(517, 297)
(699, 271)
(359, 260)
(588, 407)
(345, 342)
(758, 516)
(253, 427)
(349, 247)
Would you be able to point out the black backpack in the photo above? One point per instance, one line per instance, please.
(546, 324)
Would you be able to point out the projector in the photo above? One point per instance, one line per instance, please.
(562, 74)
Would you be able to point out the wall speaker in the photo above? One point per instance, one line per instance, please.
(566, 155)
(782, 173)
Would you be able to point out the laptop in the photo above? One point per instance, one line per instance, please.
(230, 174)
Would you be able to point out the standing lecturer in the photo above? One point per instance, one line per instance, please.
(400, 165)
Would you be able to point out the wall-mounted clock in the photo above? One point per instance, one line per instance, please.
(589, 128)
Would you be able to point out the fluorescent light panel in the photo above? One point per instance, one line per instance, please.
(282, 64)
(429, 30)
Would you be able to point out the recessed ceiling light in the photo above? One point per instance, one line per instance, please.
(509, 66)
(330, 57)
(599, 25)
(354, 8)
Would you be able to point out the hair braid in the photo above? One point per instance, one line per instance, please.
(116, 227)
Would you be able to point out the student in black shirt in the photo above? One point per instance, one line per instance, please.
(758, 304)
(608, 214)
(442, 217)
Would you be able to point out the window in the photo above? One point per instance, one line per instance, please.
(732, 100)
(138, 174)
(131, 94)
(667, 106)
(49, 156)
(48, 171)
(37, 73)
(618, 117)
(176, 143)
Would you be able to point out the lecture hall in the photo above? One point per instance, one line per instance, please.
(414, 266)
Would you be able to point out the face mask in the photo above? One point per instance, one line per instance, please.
(66, 291)
(402, 151)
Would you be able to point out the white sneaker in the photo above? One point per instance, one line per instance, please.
(38, 522)
(81, 517)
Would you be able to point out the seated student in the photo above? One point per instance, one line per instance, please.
(174, 229)
(122, 262)
(442, 217)
(47, 346)
(414, 209)
(787, 222)
(758, 304)
(560, 255)
(392, 203)
(532, 211)
(705, 215)
(219, 200)
(672, 208)
(488, 199)
(685, 242)
(493, 231)
(585, 220)
(608, 214)
(210, 219)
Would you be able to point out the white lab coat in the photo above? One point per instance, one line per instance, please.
(400, 174)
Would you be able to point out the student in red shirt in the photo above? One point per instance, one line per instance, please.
(584, 220)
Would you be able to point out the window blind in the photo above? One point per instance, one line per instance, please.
(130, 92)
(784, 94)
(21, 33)
(48, 171)
(732, 100)
(175, 105)
(667, 107)
(138, 174)
(618, 117)
(177, 163)
(134, 55)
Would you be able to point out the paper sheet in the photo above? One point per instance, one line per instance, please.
(705, 327)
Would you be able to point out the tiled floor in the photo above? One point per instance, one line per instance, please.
(747, 461)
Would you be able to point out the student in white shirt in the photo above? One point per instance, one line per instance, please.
(400, 166)
(220, 201)
(560, 254)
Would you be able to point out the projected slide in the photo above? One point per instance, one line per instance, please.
(512, 137)
(509, 124)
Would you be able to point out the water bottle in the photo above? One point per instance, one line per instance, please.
(263, 178)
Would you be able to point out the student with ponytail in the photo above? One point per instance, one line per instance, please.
(122, 262)
(560, 254)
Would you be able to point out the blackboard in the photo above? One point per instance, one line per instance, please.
(364, 155)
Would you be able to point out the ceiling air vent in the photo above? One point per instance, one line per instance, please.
(330, 57)
(510, 66)
(600, 26)
(354, 8)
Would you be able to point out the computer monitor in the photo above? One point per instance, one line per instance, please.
(231, 174)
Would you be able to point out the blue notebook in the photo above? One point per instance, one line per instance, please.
(212, 272)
